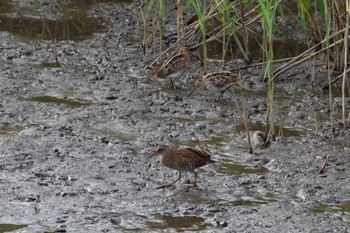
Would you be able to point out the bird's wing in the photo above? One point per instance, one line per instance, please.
(199, 155)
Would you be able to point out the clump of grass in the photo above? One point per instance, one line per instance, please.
(160, 23)
(200, 8)
(143, 16)
(269, 9)
(232, 19)
(224, 9)
(329, 29)
(149, 21)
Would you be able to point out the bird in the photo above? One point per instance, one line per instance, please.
(182, 159)
(216, 81)
(259, 139)
(174, 66)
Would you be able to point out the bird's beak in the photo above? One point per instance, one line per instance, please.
(155, 153)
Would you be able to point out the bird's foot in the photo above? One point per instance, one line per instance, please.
(174, 86)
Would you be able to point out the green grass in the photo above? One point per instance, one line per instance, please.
(325, 23)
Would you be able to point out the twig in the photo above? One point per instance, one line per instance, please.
(323, 165)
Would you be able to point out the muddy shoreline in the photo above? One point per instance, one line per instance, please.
(75, 141)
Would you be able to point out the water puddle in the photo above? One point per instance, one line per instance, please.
(282, 49)
(246, 203)
(178, 223)
(2, 181)
(236, 169)
(16, 129)
(265, 197)
(56, 30)
(322, 207)
(252, 198)
(47, 65)
(280, 131)
(75, 23)
(72, 103)
(11, 130)
(10, 227)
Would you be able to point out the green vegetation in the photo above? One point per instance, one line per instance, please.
(200, 8)
(240, 22)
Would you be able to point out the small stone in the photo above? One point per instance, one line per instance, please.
(221, 224)
(115, 221)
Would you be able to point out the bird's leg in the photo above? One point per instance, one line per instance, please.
(171, 183)
(229, 86)
(198, 58)
(178, 74)
(221, 95)
(172, 83)
(192, 91)
(195, 178)
(177, 178)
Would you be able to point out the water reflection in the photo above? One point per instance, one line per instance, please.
(72, 103)
(180, 223)
(11, 227)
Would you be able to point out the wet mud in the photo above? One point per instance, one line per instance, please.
(79, 118)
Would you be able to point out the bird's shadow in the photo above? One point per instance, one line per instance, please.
(184, 188)
(165, 186)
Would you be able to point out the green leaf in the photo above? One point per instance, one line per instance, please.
(321, 8)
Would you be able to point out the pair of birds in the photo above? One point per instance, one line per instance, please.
(176, 65)
(188, 159)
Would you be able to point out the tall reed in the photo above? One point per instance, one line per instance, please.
(200, 8)
(245, 120)
(224, 10)
(327, 21)
(268, 9)
(330, 28)
(145, 14)
(161, 23)
(346, 49)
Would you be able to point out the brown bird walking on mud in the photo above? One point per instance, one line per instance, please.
(216, 81)
(173, 66)
(183, 159)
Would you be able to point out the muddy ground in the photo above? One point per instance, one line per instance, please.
(75, 141)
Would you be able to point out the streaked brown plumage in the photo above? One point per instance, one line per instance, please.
(173, 66)
(216, 81)
(183, 159)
